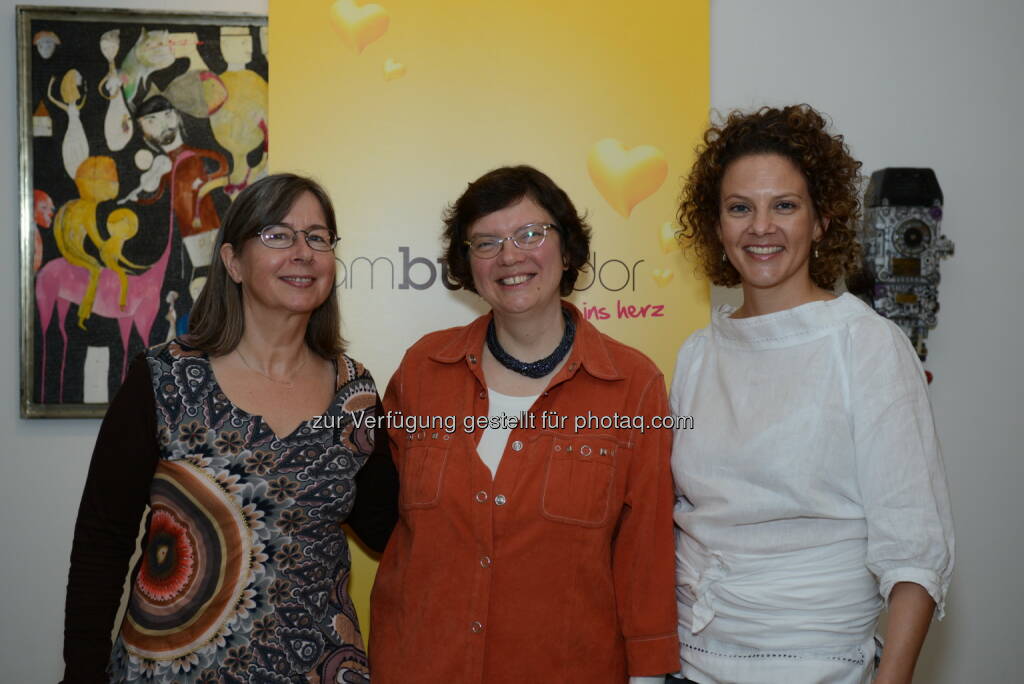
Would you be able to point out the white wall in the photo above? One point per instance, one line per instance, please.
(931, 83)
(915, 83)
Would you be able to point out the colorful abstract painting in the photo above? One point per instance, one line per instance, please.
(137, 130)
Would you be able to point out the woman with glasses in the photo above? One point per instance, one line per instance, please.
(533, 544)
(248, 442)
(813, 494)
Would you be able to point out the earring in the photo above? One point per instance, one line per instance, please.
(724, 258)
(815, 251)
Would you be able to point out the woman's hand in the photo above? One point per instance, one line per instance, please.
(910, 614)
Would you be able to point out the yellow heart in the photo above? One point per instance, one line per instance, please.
(359, 26)
(667, 237)
(626, 177)
(662, 276)
(393, 69)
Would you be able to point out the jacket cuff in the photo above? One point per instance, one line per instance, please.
(653, 655)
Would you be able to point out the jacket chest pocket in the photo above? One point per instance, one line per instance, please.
(421, 476)
(579, 481)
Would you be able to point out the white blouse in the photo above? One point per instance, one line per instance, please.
(810, 484)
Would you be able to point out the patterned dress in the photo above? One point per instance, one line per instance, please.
(244, 566)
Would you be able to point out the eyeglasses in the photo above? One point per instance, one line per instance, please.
(282, 237)
(530, 236)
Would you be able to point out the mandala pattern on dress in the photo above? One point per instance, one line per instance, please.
(194, 569)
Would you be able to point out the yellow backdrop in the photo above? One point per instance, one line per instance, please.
(396, 106)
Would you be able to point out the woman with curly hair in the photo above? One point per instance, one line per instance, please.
(812, 493)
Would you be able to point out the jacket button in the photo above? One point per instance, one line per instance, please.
(485, 561)
(517, 445)
(482, 395)
(472, 358)
(500, 500)
(481, 496)
(476, 627)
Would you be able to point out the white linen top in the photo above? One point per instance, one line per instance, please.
(811, 483)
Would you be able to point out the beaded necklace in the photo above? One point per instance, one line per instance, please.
(540, 367)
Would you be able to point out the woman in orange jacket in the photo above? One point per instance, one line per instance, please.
(535, 534)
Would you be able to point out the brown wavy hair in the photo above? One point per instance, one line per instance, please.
(217, 320)
(798, 133)
(497, 190)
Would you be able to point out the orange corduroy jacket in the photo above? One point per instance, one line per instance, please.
(561, 568)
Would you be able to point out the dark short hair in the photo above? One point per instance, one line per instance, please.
(497, 190)
(156, 103)
(217, 320)
(800, 134)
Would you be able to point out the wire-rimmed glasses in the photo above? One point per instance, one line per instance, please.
(530, 236)
(279, 236)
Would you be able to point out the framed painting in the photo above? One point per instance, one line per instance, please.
(136, 130)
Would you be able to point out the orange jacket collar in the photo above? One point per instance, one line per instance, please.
(589, 350)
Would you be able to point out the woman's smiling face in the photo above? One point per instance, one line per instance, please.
(768, 224)
(518, 280)
(296, 279)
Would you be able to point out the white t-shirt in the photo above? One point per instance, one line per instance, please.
(493, 441)
(811, 483)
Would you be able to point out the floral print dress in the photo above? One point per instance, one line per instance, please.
(244, 565)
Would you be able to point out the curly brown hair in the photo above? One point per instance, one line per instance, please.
(798, 133)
